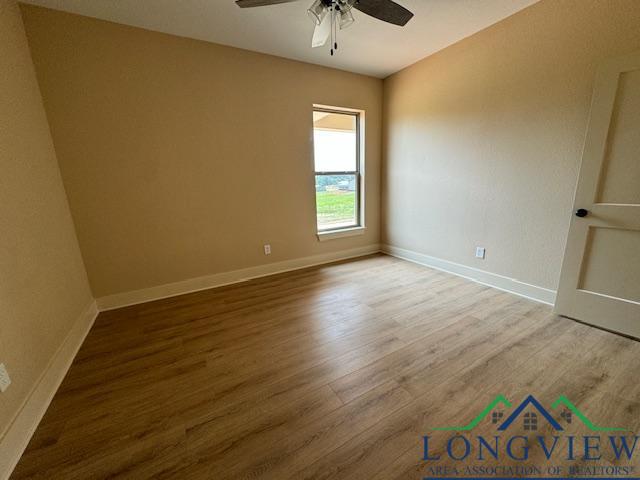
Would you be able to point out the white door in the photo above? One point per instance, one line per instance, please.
(600, 281)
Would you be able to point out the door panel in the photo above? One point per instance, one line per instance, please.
(606, 268)
(621, 170)
(600, 280)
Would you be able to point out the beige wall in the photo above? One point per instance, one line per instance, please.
(43, 285)
(482, 144)
(483, 139)
(182, 158)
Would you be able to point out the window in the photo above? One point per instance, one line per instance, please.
(530, 421)
(336, 140)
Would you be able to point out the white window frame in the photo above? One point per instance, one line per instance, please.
(359, 228)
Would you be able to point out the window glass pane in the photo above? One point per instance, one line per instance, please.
(336, 201)
(334, 140)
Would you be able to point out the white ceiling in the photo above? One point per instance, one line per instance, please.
(369, 46)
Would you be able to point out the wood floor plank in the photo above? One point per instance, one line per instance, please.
(331, 372)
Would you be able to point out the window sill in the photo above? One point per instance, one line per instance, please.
(345, 232)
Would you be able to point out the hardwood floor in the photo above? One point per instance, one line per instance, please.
(333, 372)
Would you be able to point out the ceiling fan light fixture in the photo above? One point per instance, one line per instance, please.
(317, 11)
(346, 19)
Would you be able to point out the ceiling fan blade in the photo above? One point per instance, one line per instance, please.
(385, 10)
(322, 32)
(260, 3)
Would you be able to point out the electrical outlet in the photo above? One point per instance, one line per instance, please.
(480, 252)
(267, 249)
(5, 381)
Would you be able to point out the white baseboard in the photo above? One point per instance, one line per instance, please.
(511, 285)
(17, 436)
(135, 297)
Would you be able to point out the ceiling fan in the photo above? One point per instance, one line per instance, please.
(330, 15)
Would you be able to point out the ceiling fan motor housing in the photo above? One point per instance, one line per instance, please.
(339, 4)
